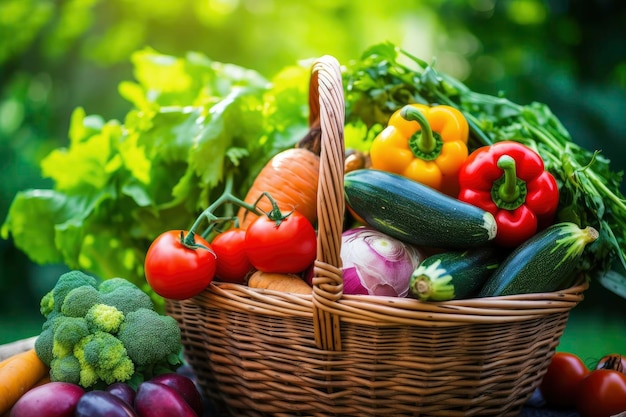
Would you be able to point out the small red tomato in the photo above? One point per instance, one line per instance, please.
(232, 262)
(602, 393)
(288, 245)
(560, 382)
(176, 269)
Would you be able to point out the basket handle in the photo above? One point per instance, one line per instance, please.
(327, 107)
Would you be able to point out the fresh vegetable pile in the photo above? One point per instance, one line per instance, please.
(450, 194)
(386, 78)
(184, 143)
(484, 226)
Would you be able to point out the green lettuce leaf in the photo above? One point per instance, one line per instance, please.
(118, 185)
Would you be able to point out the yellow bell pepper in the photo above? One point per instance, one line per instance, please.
(426, 144)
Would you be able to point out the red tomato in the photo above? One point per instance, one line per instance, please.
(285, 246)
(560, 383)
(232, 263)
(176, 271)
(602, 394)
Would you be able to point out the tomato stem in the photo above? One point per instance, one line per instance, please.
(227, 197)
(274, 214)
(189, 242)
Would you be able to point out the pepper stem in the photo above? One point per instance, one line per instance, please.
(508, 192)
(425, 144)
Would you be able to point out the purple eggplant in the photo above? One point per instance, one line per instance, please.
(54, 399)
(103, 404)
(123, 391)
(159, 400)
(185, 387)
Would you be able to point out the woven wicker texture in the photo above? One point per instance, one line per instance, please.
(266, 353)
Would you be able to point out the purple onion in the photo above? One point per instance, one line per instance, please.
(377, 264)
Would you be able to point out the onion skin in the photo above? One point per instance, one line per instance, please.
(54, 399)
(103, 404)
(154, 399)
(377, 264)
(122, 391)
(185, 387)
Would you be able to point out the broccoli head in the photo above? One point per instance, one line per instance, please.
(150, 338)
(104, 317)
(65, 369)
(79, 300)
(103, 357)
(124, 295)
(100, 332)
(67, 282)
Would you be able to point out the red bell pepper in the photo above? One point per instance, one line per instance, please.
(508, 179)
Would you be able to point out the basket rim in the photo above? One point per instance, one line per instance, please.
(391, 311)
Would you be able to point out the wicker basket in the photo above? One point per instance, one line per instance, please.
(267, 353)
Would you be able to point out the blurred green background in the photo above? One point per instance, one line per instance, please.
(56, 55)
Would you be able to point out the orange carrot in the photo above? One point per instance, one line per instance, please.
(279, 282)
(290, 178)
(18, 374)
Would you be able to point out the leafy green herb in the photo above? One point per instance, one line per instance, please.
(118, 185)
(386, 78)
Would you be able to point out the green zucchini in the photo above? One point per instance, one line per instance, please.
(454, 275)
(546, 262)
(415, 213)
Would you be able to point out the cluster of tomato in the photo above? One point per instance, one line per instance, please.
(179, 266)
(596, 392)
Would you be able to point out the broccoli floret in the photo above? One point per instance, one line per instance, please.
(59, 350)
(46, 305)
(67, 282)
(113, 284)
(65, 369)
(43, 345)
(67, 332)
(70, 330)
(45, 340)
(149, 337)
(104, 317)
(79, 300)
(124, 295)
(102, 356)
